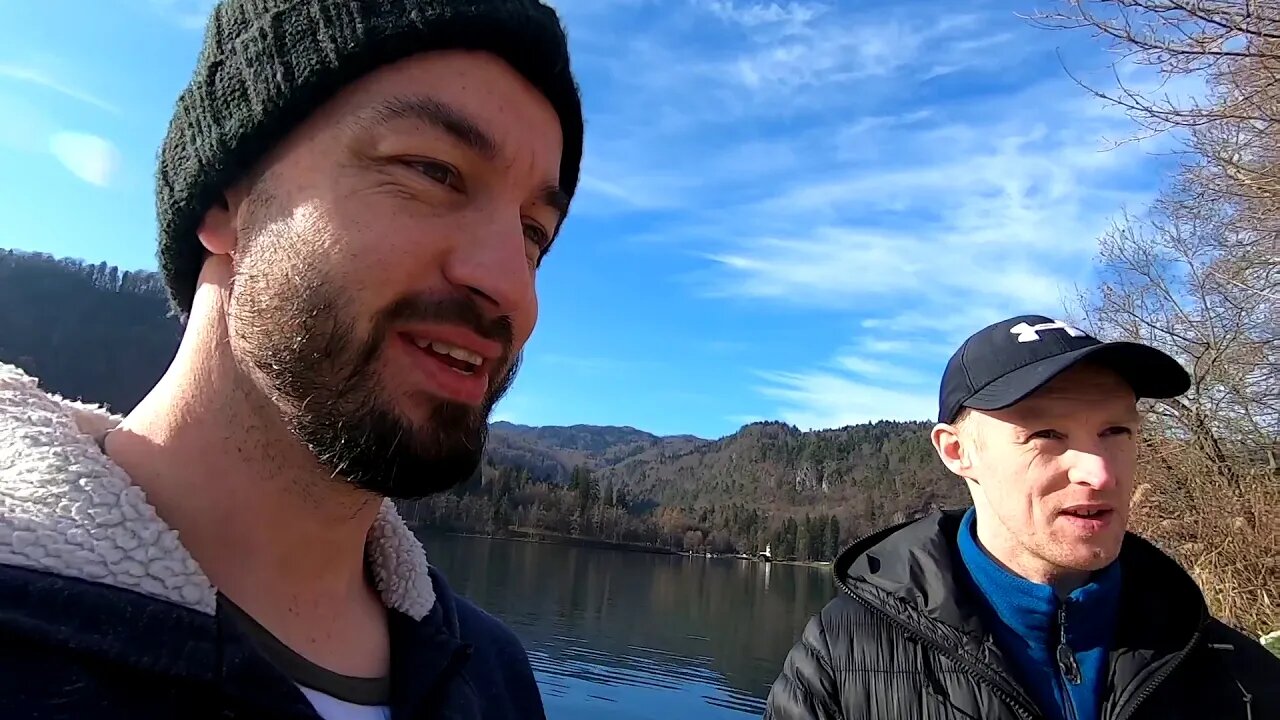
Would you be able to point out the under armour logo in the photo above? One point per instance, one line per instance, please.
(1031, 333)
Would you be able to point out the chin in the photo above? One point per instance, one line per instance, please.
(1092, 557)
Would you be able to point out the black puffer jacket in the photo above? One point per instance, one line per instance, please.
(905, 641)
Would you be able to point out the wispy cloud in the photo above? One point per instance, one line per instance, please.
(871, 379)
(883, 372)
(625, 192)
(689, 115)
(924, 172)
(89, 157)
(897, 347)
(45, 79)
(790, 16)
(817, 200)
(28, 127)
(818, 399)
(981, 216)
(974, 220)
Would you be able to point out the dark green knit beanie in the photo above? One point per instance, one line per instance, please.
(268, 64)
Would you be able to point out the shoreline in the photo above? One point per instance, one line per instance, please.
(816, 564)
(546, 538)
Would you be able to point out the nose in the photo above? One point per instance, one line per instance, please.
(490, 261)
(1092, 467)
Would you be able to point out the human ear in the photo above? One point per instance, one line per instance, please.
(218, 229)
(947, 442)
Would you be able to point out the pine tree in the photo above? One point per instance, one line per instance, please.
(802, 540)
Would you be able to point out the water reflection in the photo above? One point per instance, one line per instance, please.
(638, 635)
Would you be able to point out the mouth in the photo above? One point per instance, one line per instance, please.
(454, 366)
(460, 359)
(1089, 516)
(1087, 509)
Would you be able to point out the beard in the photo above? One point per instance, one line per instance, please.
(299, 340)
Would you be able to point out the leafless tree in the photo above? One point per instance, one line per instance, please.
(1198, 275)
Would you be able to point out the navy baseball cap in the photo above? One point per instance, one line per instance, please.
(1003, 363)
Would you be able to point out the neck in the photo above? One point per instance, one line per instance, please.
(1017, 559)
(269, 527)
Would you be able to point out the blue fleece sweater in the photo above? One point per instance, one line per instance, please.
(1029, 623)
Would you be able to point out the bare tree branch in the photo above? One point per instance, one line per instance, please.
(1198, 275)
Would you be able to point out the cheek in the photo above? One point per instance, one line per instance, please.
(382, 254)
(527, 319)
(1128, 460)
(1029, 480)
(1051, 475)
(1050, 480)
(281, 254)
(1008, 485)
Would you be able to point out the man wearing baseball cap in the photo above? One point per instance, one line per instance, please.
(1035, 602)
(353, 198)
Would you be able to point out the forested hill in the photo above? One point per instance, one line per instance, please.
(87, 331)
(95, 333)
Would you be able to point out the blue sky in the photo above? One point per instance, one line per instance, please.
(790, 210)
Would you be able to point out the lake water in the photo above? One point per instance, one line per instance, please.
(639, 636)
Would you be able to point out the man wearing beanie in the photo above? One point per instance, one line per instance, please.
(1036, 603)
(354, 198)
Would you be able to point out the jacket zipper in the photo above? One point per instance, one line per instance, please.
(1068, 668)
(992, 679)
(1162, 675)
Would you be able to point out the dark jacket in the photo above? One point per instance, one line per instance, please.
(904, 639)
(104, 615)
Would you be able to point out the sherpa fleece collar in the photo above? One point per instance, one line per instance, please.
(67, 509)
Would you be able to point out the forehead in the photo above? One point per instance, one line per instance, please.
(1083, 390)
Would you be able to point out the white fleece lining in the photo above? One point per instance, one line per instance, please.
(67, 509)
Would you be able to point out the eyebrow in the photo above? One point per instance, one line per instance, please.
(441, 116)
(434, 114)
(554, 197)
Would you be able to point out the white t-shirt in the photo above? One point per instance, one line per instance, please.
(331, 708)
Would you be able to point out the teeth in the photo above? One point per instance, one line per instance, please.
(451, 350)
(1085, 513)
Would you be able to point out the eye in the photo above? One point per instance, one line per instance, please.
(1047, 435)
(1118, 430)
(437, 171)
(535, 234)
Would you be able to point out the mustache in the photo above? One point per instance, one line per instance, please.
(454, 309)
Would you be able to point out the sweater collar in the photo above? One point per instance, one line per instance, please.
(66, 508)
(1031, 609)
